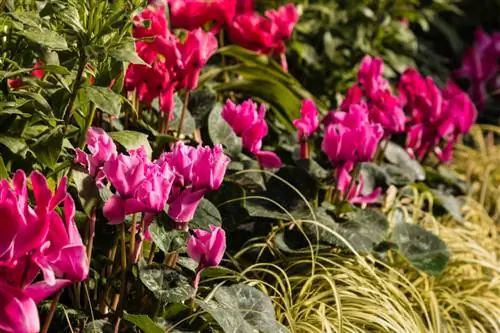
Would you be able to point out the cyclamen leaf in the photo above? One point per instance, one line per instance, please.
(168, 240)
(87, 190)
(132, 140)
(221, 133)
(143, 322)
(206, 214)
(400, 158)
(243, 309)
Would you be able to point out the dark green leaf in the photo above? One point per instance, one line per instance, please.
(87, 190)
(55, 69)
(400, 158)
(105, 99)
(4, 173)
(145, 323)
(48, 148)
(125, 51)
(189, 125)
(243, 309)
(168, 240)
(132, 140)
(39, 100)
(201, 102)
(426, 251)
(165, 283)
(46, 37)
(221, 133)
(15, 145)
(206, 214)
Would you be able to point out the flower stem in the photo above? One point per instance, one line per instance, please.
(76, 87)
(51, 313)
(133, 232)
(183, 114)
(354, 177)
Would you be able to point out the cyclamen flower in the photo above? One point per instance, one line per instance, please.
(194, 14)
(207, 248)
(354, 194)
(251, 126)
(438, 117)
(306, 125)
(197, 172)
(383, 107)
(141, 185)
(35, 239)
(480, 64)
(101, 148)
(351, 138)
(267, 34)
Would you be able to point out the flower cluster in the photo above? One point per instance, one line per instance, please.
(438, 116)
(37, 72)
(170, 64)
(36, 240)
(180, 178)
(250, 124)
(264, 34)
(383, 107)
(480, 65)
(351, 138)
(193, 14)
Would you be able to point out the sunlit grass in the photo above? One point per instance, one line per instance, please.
(338, 292)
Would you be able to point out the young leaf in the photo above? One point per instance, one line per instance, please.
(132, 140)
(105, 99)
(165, 283)
(221, 133)
(243, 309)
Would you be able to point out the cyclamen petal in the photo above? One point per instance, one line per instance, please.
(308, 122)
(18, 312)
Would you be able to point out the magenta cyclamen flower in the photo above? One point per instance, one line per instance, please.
(197, 171)
(101, 148)
(251, 126)
(383, 107)
(438, 117)
(35, 240)
(141, 185)
(306, 125)
(353, 194)
(207, 248)
(480, 64)
(351, 138)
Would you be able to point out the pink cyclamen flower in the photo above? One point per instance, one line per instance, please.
(351, 138)
(18, 312)
(354, 193)
(207, 248)
(250, 124)
(102, 148)
(194, 14)
(141, 185)
(150, 22)
(285, 19)
(197, 172)
(306, 125)
(480, 64)
(370, 75)
(198, 47)
(244, 6)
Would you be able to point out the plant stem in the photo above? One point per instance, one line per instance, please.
(354, 177)
(183, 114)
(88, 122)
(123, 285)
(133, 232)
(76, 87)
(52, 311)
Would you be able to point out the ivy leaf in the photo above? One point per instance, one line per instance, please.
(143, 322)
(400, 159)
(47, 38)
(166, 284)
(168, 240)
(88, 192)
(425, 251)
(221, 133)
(105, 99)
(243, 309)
(206, 214)
(132, 140)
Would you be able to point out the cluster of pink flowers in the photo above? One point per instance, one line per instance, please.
(383, 107)
(180, 178)
(36, 240)
(438, 116)
(170, 64)
(248, 121)
(349, 139)
(480, 65)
